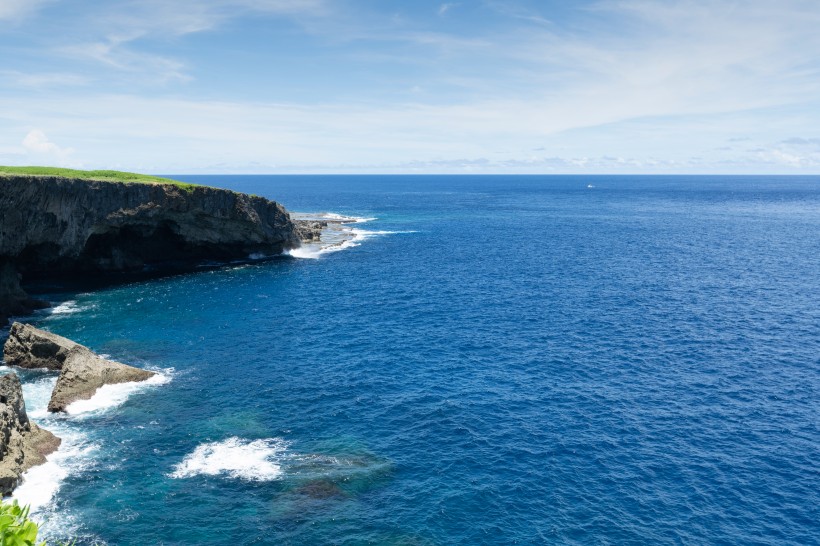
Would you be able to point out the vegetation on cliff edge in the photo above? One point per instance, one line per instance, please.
(104, 176)
(16, 529)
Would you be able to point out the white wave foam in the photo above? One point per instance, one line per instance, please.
(331, 217)
(41, 483)
(76, 454)
(236, 458)
(258, 256)
(111, 396)
(68, 308)
(37, 394)
(339, 236)
(310, 252)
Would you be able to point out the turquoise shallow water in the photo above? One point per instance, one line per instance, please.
(500, 360)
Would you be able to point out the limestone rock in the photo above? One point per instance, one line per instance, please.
(30, 347)
(84, 372)
(309, 231)
(22, 443)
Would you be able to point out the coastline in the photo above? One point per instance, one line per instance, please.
(40, 484)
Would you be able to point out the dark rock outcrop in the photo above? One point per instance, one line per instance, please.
(30, 347)
(84, 372)
(22, 443)
(13, 299)
(53, 226)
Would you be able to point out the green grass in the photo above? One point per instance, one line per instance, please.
(104, 176)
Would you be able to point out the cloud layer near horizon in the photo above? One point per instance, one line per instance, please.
(314, 86)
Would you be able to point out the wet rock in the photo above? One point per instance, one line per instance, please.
(309, 231)
(22, 443)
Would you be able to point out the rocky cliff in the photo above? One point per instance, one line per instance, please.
(13, 299)
(52, 226)
(22, 443)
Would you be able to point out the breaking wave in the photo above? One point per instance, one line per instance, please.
(237, 458)
(111, 396)
(338, 235)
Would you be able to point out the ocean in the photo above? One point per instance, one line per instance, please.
(477, 360)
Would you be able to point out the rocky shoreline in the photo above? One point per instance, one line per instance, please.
(23, 444)
(82, 371)
(54, 228)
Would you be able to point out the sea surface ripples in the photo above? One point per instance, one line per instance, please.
(511, 360)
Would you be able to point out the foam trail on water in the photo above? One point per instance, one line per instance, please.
(235, 458)
(77, 451)
(68, 308)
(111, 396)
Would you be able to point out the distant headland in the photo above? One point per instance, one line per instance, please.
(64, 222)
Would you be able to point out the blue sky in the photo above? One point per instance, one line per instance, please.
(346, 86)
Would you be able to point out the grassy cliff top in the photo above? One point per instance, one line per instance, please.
(105, 176)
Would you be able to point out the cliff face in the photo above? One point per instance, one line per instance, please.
(52, 226)
(58, 224)
(13, 300)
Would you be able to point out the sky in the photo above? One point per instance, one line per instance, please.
(388, 86)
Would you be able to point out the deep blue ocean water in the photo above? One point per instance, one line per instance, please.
(510, 360)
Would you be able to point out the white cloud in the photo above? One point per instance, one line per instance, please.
(42, 79)
(659, 86)
(115, 53)
(42, 150)
(444, 8)
(119, 31)
(181, 17)
(18, 9)
(164, 135)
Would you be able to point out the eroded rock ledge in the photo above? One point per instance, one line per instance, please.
(53, 226)
(82, 371)
(22, 443)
